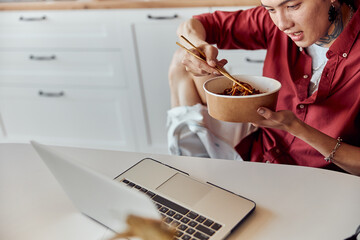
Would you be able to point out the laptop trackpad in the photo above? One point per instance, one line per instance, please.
(184, 189)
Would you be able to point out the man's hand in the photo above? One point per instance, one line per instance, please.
(199, 68)
(283, 120)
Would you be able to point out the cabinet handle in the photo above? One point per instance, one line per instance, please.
(42, 58)
(51, 94)
(29, 19)
(253, 60)
(162, 17)
(2, 126)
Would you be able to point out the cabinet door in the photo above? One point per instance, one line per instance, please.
(78, 117)
(156, 38)
(244, 62)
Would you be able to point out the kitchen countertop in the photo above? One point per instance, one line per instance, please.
(119, 4)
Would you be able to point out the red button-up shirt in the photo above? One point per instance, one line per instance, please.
(333, 109)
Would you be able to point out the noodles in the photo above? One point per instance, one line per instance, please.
(237, 90)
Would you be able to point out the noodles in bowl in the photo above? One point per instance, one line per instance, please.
(231, 108)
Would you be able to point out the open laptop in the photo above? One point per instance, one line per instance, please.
(198, 210)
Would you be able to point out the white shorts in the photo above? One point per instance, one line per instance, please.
(191, 131)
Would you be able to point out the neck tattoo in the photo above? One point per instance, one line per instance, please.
(338, 28)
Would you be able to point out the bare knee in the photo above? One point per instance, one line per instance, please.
(177, 69)
(182, 88)
(185, 88)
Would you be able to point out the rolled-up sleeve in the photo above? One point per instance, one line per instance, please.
(242, 29)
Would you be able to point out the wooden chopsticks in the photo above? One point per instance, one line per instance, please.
(220, 69)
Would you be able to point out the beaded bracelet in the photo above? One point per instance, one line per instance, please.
(331, 156)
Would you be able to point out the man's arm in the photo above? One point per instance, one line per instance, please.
(195, 32)
(346, 156)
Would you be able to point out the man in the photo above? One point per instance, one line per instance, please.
(313, 50)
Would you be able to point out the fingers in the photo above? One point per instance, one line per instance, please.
(272, 119)
(197, 67)
(211, 54)
(222, 62)
(268, 120)
(265, 112)
(280, 117)
(284, 119)
(200, 68)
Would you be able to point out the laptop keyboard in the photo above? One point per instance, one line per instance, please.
(189, 225)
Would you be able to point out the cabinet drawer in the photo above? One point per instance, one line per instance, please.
(90, 118)
(62, 29)
(248, 62)
(154, 16)
(66, 68)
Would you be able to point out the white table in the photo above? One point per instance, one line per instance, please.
(292, 202)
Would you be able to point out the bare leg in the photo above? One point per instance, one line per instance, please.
(185, 89)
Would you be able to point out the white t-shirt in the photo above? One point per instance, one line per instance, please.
(319, 60)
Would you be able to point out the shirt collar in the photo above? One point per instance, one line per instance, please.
(345, 41)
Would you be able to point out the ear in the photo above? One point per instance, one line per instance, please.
(335, 3)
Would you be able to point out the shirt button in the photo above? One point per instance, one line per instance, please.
(305, 76)
(301, 106)
(344, 55)
(277, 150)
(267, 161)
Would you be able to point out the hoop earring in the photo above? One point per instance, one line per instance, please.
(332, 13)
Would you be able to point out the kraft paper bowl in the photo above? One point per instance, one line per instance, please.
(240, 108)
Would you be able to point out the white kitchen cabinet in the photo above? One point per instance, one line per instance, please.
(70, 78)
(155, 35)
(244, 62)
